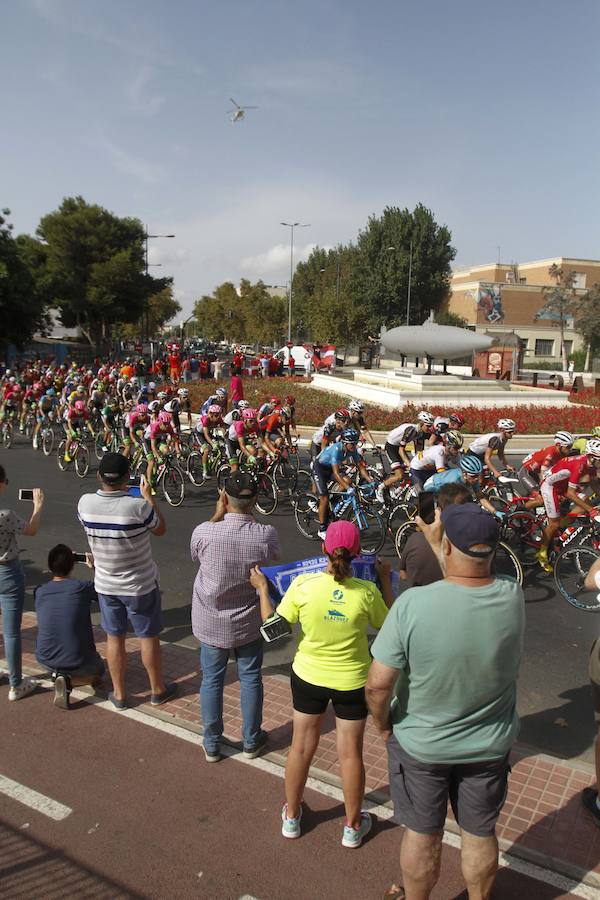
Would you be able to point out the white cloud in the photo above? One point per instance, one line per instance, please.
(131, 164)
(275, 261)
(141, 99)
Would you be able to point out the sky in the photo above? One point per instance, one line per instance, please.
(488, 113)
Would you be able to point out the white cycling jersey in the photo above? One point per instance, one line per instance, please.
(430, 458)
(492, 441)
(402, 435)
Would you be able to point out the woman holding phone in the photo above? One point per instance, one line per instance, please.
(332, 661)
(12, 587)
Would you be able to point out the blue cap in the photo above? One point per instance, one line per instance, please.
(468, 524)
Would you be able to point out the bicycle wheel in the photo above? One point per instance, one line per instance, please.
(98, 445)
(47, 441)
(29, 426)
(266, 499)
(402, 535)
(570, 569)
(172, 483)
(285, 476)
(506, 562)
(371, 527)
(82, 460)
(223, 474)
(306, 515)
(63, 464)
(194, 468)
(523, 534)
(7, 435)
(302, 487)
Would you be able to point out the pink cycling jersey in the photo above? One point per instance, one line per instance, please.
(157, 429)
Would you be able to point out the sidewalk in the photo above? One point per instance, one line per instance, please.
(542, 821)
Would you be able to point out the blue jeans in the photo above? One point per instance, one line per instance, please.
(12, 600)
(213, 661)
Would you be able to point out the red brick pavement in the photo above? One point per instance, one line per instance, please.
(542, 820)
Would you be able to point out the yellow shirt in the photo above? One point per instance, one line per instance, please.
(333, 651)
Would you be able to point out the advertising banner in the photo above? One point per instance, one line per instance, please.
(280, 577)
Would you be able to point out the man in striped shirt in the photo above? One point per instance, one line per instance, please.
(118, 528)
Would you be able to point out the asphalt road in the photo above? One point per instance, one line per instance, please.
(554, 697)
(135, 812)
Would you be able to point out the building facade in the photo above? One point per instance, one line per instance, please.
(503, 297)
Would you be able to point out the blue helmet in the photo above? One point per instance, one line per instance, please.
(350, 436)
(470, 464)
(51, 392)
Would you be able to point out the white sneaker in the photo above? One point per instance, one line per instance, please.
(27, 686)
(321, 533)
(35, 445)
(353, 837)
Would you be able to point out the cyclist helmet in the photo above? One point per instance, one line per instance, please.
(440, 428)
(426, 418)
(596, 431)
(135, 382)
(183, 393)
(100, 386)
(80, 389)
(243, 404)
(164, 416)
(154, 406)
(214, 409)
(162, 395)
(592, 448)
(471, 464)
(286, 412)
(506, 425)
(152, 386)
(80, 405)
(248, 414)
(276, 401)
(341, 414)
(350, 436)
(142, 408)
(564, 439)
(51, 392)
(456, 420)
(290, 400)
(221, 392)
(125, 378)
(356, 406)
(453, 439)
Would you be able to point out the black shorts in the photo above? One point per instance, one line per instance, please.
(315, 449)
(321, 476)
(530, 480)
(313, 700)
(420, 792)
(393, 454)
(233, 447)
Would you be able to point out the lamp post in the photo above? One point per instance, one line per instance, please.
(148, 237)
(292, 225)
(410, 256)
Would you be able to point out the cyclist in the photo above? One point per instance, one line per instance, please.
(326, 466)
(234, 415)
(425, 423)
(537, 464)
(44, 413)
(11, 405)
(435, 458)
(290, 401)
(456, 421)
(186, 404)
(98, 397)
(396, 443)
(265, 409)
(495, 442)
(563, 482)
(273, 429)
(243, 439)
(31, 399)
(173, 407)
(468, 472)
(329, 432)
(136, 422)
(356, 409)
(76, 416)
(108, 416)
(580, 442)
(211, 421)
(220, 397)
(158, 432)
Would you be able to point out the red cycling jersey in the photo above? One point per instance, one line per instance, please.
(544, 458)
(567, 473)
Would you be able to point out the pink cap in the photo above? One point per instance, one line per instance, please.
(342, 534)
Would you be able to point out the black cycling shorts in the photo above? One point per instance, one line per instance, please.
(321, 475)
(393, 454)
(313, 700)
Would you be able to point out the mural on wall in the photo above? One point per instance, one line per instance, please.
(489, 300)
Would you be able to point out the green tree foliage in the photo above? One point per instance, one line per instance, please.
(21, 301)
(444, 317)
(560, 302)
(372, 288)
(587, 318)
(94, 268)
(251, 316)
(162, 307)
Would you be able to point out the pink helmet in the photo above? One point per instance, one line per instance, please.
(38, 386)
(249, 414)
(142, 408)
(80, 405)
(164, 416)
(215, 409)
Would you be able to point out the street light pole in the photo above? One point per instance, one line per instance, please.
(147, 237)
(409, 283)
(292, 225)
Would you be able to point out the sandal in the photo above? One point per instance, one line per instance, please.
(395, 892)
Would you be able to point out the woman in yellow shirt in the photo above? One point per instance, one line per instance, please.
(332, 661)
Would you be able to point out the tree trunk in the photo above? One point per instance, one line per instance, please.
(563, 349)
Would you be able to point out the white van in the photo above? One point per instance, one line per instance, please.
(299, 353)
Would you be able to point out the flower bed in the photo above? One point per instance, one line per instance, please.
(313, 406)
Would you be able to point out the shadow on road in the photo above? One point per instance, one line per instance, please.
(558, 729)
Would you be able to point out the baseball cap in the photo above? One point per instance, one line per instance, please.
(240, 485)
(113, 467)
(467, 524)
(342, 534)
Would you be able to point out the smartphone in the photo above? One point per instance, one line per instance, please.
(80, 557)
(134, 481)
(25, 494)
(275, 627)
(426, 505)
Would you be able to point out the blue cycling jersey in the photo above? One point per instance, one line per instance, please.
(335, 455)
(439, 479)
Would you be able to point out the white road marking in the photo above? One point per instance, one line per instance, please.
(521, 866)
(42, 804)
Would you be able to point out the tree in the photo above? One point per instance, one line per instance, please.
(560, 303)
(587, 319)
(162, 307)
(265, 317)
(219, 316)
(22, 307)
(94, 268)
(449, 318)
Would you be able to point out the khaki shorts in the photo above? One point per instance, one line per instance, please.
(594, 673)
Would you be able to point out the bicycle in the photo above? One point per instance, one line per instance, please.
(351, 505)
(46, 437)
(266, 497)
(6, 434)
(570, 570)
(169, 477)
(216, 458)
(79, 455)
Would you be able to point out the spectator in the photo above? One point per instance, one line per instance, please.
(12, 587)
(65, 640)
(126, 577)
(291, 364)
(450, 652)
(331, 664)
(218, 364)
(237, 388)
(175, 366)
(589, 796)
(204, 367)
(185, 370)
(226, 612)
(264, 365)
(418, 563)
(307, 363)
(194, 367)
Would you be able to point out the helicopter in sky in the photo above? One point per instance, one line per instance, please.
(238, 111)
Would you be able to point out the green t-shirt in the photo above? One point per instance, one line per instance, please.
(458, 650)
(333, 650)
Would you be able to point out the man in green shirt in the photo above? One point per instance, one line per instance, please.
(442, 692)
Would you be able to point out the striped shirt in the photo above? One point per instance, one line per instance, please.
(225, 606)
(118, 530)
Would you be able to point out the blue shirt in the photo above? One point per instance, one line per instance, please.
(65, 639)
(336, 454)
(439, 479)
